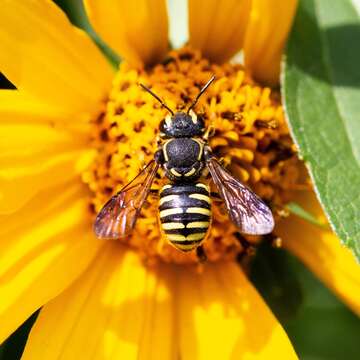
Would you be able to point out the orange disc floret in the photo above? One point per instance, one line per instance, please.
(250, 135)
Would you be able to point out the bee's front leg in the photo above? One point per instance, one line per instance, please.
(210, 131)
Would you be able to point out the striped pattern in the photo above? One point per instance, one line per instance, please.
(185, 213)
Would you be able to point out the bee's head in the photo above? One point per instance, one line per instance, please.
(182, 125)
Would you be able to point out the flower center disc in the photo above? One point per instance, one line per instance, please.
(250, 136)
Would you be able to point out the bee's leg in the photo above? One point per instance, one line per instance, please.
(206, 173)
(208, 154)
(216, 195)
(216, 198)
(249, 249)
(158, 140)
(273, 240)
(201, 255)
(210, 131)
(154, 193)
(159, 156)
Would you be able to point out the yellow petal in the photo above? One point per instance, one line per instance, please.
(17, 106)
(22, 175)
(266, 34)
(34, 147)
(45, 56)
(20, 182)
(31, 128)
(26, 143)
(217, 28)
(321, 251)
(222, 316)
(118, 309)
(44, 247)
(137, 30)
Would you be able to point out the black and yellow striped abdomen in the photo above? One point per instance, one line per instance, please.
(185, 213)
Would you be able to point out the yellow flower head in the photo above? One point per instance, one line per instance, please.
(73, 133)
(250, 135)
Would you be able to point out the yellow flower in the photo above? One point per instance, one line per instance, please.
(73, 132)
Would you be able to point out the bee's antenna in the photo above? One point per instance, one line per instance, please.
(200, 93)
(157, 98)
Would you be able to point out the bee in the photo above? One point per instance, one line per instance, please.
(184, 203)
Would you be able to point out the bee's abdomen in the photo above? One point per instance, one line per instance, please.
(185, 213)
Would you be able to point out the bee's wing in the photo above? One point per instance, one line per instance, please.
(247, 211)
(118, 216)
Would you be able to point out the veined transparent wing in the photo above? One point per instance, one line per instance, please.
(118, 216)
(247, 211)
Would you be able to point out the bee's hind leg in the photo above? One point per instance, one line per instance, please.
(154, 193)
(216, 196)
(200, 254)
(249, 249)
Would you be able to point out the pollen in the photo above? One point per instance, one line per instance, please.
(248, 133)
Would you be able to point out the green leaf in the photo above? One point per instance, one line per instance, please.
(319, 326)
(323, 328)
(321, 93)
(276, 281)
(296, 209)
